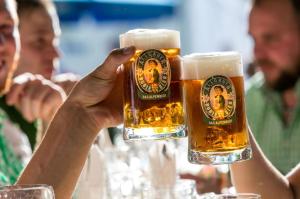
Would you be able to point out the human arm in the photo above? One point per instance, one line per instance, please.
(258, 175)
(90, 107)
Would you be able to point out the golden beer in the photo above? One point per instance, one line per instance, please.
(214, 100)
(153, 107)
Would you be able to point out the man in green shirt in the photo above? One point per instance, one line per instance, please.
(273, 96)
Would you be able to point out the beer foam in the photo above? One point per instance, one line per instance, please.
(150, 39)
(203, 65)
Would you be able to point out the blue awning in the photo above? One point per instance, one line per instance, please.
(107, 10)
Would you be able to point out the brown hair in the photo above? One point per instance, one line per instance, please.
(27, 6)
(295, 4)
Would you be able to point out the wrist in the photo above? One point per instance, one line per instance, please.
(76, 118)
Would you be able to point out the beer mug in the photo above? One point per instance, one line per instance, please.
(213, 89)
(153, 106)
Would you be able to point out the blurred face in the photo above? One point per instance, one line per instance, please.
(9, 43)
(276, 33)
(39, 31)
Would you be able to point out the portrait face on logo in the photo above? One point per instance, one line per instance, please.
(218, 101)
(152, 72)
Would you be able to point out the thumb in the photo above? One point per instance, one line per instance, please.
(107, 70)
(102, 79)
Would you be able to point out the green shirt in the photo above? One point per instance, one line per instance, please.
(29, 128)
(10, 165)
(279, 142)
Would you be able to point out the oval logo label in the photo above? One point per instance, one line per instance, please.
(152, 74)
(218, 100)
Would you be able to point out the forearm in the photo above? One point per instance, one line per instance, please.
(258, 175)
(63, 151)
(60, 157)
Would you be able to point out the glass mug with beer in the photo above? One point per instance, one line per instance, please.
(213, 89)
(153, 106)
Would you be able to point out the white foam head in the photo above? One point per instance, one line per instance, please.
(144, 39)
(203, 65)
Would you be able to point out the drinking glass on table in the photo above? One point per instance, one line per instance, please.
(183, 189)
(27, 192)
(230, 196)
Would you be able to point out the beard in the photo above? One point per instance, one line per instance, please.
(286, 80)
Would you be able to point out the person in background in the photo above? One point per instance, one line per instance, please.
(39, 55)
(39, 33)
(272, 103)
(33, 44)
(273, 93)
(24, 92)
(272, 100)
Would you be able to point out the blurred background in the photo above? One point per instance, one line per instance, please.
(91, 28)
